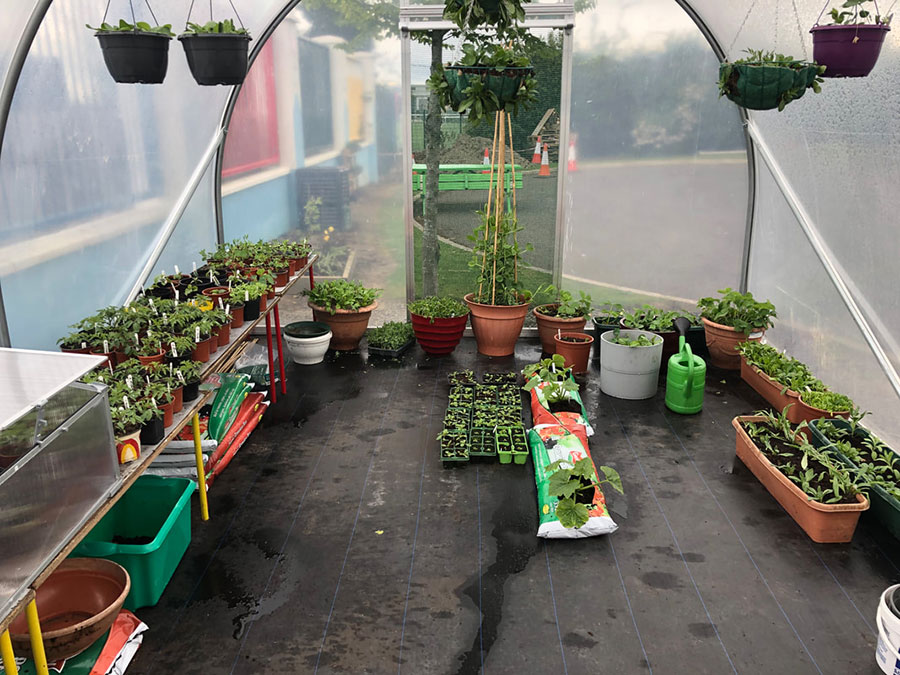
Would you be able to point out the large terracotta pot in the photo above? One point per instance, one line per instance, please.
(439, 337)
(723, 341)
(823, 523)
(576, 354)
(496, 327)
(347, 326)
(549, 326)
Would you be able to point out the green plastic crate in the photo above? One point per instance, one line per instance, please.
(154, 507)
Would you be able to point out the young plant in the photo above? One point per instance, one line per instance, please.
(740, 311)
(434, 307)
(222, 27)
(574, 486)
(496, 255)
(729, 75)
(341, 294)
(853, 13)
(827, 400)
(610, 314)
(556, 378)
(461, 377)
(392, 335)
(566, 306)
(639, 341)
(786, 371)
(124, 27)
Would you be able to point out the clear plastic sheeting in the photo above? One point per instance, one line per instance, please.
(657, 193)
(314, 150)
(14, 18)
(91, 169)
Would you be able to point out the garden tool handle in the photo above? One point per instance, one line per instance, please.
(689, 383)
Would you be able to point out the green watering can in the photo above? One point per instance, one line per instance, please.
(686, 377)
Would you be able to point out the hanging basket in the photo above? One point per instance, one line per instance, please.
(135, 57)
(848, 51)
(763, 86)
(505, 84)
(217, 58)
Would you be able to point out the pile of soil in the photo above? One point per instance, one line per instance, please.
(470, 150)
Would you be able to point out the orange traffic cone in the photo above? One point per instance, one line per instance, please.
(545, 163)
(536, 158)
(573, 164)
(486, 161)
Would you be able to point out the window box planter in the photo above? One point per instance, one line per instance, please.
(823, 523)
(805, 412)
(769, 389)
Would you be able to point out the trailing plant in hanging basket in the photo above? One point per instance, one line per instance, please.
(766, 80)
(135, 53)
(851, 44)
(217, 52)
(488, 78)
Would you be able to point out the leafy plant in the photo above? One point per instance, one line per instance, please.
(648, 317)
(740, 311)
(784, 370)
(124, 27)
(341, 294)
(610, 314)
(461, 377)
(566, 306)
(222, 27)
(434, 307)
(827, 400)
(639, 341)
(729, 74)
(574, 485)
(470, 14)
(391, 335)
(875, 463)
(852, 13)
(557, 381)
(498, 279)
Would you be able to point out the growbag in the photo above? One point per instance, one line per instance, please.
(550, 443)
(540, 412)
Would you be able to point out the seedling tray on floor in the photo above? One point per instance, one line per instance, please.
(499, 378)
(463, 377)
(482, 443)
(454, 446)
(484, 417)
(512, 445)
(461, 396)
(457, 418)
(485, 394)
(391, 353)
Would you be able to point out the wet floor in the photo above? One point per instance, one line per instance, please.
(339, 544)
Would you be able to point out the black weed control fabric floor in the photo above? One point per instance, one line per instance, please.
(339, 544)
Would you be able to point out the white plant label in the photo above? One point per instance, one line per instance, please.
(149, 333)
(177, 271)
(127, 404)
(129, 381)
(181, 377)
(137, 340)
(197, 334)
(106, 346)
(246, 296)
(228, 308)
(195, 266)
(153, 400)
(84, 345)
(152, 306)
(174, 353)
(177, 296)
(220, 302)
(165, 318)
(210, 275)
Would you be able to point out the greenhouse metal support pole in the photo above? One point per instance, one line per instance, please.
(565, 108)
(5, 340)
(175, 214)
(824, 255)
(408, 204)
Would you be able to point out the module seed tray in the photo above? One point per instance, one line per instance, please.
(482, 443)
(461, 396)
(457, 418)
(454, 446)
(485, 394)
(499, 378)
(463, 377)
(512, 444)
(507, 417)
(484, 417)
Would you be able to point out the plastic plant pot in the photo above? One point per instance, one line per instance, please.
(223, 335)
(496, 327)
(575, 348)
(630, 372)
(135, 57)
(156, 358)
(722, 342)
(216, 58)
(438, 337)
(548, 326)
(237, 315)
(848, 50)
(153, 431)
(252, 309)
(201, 351)
(191, 391)
(307, 341)
(177, 399)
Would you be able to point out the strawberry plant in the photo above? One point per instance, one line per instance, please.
(740, 311)
(341, 294)
(566, 305)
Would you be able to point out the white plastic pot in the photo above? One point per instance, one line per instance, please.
(308, 350)
(887, 653)
(629, 372)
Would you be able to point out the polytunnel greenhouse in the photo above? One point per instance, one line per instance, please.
(510, 336)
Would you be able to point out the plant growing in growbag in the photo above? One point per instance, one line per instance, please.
(135, 53)
(766, 80)
(574, 485)
(217, 52)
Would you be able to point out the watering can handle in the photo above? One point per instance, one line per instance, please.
(689, 383)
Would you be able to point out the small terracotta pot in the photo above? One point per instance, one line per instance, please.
(347, 326)
(496, 327)
(441, 336)
(215, 292)
(549, 326)
(201, 351)
(723, 342)
(177, 400)
(77, 604)
(66, 350)
(768, 388)
(282, 278)
(213, 342)
(111, 360)
(576, 354)
(168, 413)
(223, 334)
(823, 523)
(292, 267)
(299, 263)
(237, 316)
(128, 447)
(156, 358)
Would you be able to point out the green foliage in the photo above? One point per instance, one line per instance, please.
(471, 14)
(648, 317)
(738, 310)
(639, 341)
(222, 27)
(566, 306)
(610, 313)
(553, 374)
(434, 307)
(786, 371)
(391, 335)
(856, 14)
(827, 400)
(341, 294)
(124, 27)
(728, 74)
(574, 485)
(875, 462)
(497, 282)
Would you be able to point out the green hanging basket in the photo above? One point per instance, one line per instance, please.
(766, 86)
(504, 83)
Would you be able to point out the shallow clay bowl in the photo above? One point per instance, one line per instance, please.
(76, 606)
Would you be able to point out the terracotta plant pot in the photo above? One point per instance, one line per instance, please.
(76, 604)
(803, 412)
(168, 413)
(213, 343)
(299, 263)
(768, 388)
(496, 327)
(111, 360)
(549, 326)
(177, 400)
(440, 337)
(347, 326)
(237, 316)
(823, 523)
(128, 447)
(201, 351)
(80, 350)
(576, 354)
(723, 342)
(223, 335)
(156, 358)
(282, 278)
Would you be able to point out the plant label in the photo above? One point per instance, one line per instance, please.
(126, 403)
(137, 340)
(177, 297)
(228, 308)
(197, 334)
(220, 302)
(177, 271)
(174, 352)
(165, 318)
(210, 275)
(83, 344)
(246, 296)
(181, 377)
(106, 346)
(195, 266)
(153, 401)
(129, 382)
(152, 306)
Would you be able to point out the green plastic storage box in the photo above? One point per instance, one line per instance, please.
(154, 510)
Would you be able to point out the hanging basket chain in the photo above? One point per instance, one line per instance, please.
(741, 27)
(188, 20)
(150, 9)
(233, 8)
(800, 31)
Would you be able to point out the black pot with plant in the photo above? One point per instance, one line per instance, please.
(217, 52)
(135, 53)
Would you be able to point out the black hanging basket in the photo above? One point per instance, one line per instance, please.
(135, 57)
(217, 58)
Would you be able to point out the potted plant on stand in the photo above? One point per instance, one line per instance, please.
(730, 320)
(851, 44)
(766, 80)
(629, 363)
(439, 323)
(566, 314)
(216, 52)
(346, 307)
(135, 53)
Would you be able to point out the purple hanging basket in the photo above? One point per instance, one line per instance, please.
(848, 51)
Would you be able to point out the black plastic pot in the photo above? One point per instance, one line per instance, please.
(191, 391)
(217, 58)
(135, 57)
(251, 310)
(153, 432)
